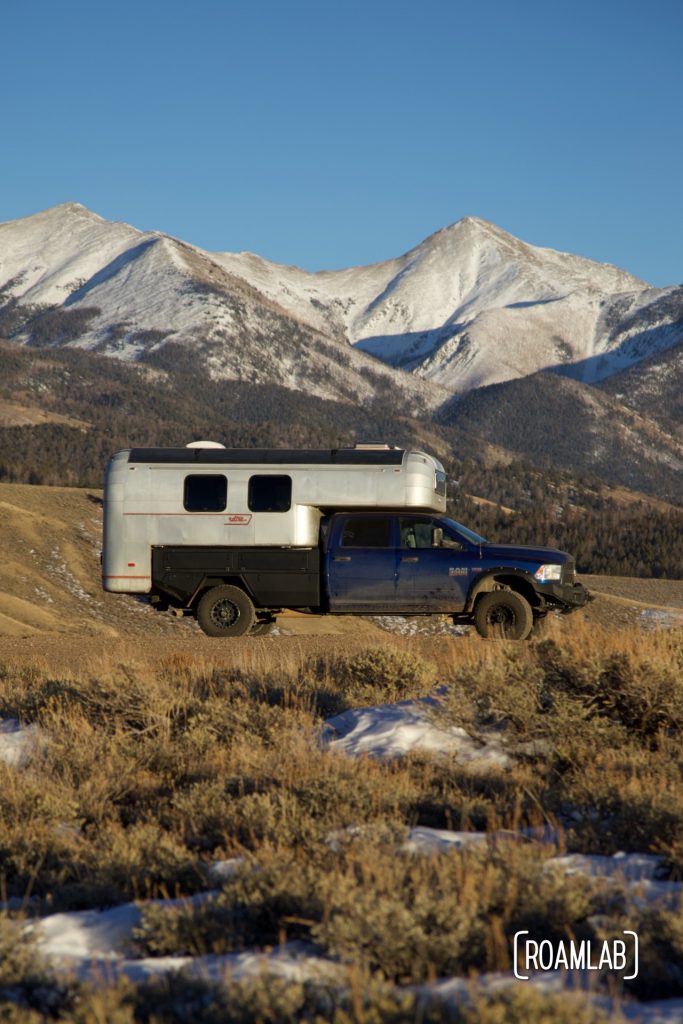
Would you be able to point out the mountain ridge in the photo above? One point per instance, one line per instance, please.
(469, 306)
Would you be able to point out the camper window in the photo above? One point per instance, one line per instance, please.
(270, 493)
(206, 493)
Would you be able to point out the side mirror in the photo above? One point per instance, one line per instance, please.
(437, 537)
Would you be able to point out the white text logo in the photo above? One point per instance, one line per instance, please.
(617, 955)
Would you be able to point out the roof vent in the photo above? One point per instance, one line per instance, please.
(205, 444)
(373, 446)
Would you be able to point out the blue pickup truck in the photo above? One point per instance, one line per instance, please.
(417, 564)
(372, 563)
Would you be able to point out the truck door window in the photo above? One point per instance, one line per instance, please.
(367, 533)
(205, 493)
(416, 533)
(270, 493)
(419, 533)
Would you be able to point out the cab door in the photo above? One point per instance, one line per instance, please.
(361, 567)
(431, 576)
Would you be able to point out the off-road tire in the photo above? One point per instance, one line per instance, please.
(225, 611)
(503, 615)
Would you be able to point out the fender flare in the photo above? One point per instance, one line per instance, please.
(504, 578)
(208, 582)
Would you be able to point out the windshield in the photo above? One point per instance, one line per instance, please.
(458, 528)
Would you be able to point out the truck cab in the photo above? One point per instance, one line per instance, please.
(412, 563)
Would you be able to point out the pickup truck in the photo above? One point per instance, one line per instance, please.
(370, 563)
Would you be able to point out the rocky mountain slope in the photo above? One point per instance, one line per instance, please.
(472, 305)
(469, 306)
(560, 422)
(653, 387)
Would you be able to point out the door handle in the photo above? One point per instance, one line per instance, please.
(341, 558)
(412, 558)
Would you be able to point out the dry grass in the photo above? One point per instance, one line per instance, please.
(145, 772)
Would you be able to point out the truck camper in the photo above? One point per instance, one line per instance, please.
(234, 536)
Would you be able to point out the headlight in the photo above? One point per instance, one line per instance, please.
(548, 572)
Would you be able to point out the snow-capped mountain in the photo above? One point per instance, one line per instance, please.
(469, 306)
(69, 277)
(472, 305)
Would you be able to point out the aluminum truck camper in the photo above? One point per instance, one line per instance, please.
(178, 521)
(235, 536)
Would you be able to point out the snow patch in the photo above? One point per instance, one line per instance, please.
(636, 872)
(393, 730)
(655, 618)
(17, 742)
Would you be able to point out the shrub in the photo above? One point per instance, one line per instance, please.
(378, 675)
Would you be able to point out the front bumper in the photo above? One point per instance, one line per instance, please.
(566, 596)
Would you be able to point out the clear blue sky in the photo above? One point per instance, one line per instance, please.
(330, 134)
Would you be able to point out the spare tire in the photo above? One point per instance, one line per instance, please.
(225, 611)
(503, 615)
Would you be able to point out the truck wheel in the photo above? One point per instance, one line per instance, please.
(503, 615)
(225, 611)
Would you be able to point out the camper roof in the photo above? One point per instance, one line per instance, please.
(359, 456)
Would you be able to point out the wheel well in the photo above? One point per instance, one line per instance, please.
(209, 582)
(503, 581)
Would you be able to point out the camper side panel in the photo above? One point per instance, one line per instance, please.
(126, 564)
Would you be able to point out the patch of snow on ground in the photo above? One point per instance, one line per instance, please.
(457, 992)
(392, 730)
(418, 625)
(633, 867)
(636, 871)
(442, 840)
(89, 934)
(93, 945)
(220, 870)
(17, 742)
(654, 618)
(296, 962)
(58, 567)
(660, 1011)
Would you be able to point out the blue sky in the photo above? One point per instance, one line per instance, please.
(327, 135)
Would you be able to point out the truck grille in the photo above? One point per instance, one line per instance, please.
(569, 571)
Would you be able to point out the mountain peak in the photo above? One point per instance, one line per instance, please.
(469, 232)
(70, 208)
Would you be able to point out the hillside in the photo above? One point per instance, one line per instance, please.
(50, 542)
(472, 305)
(654, 388)
(556, 421)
